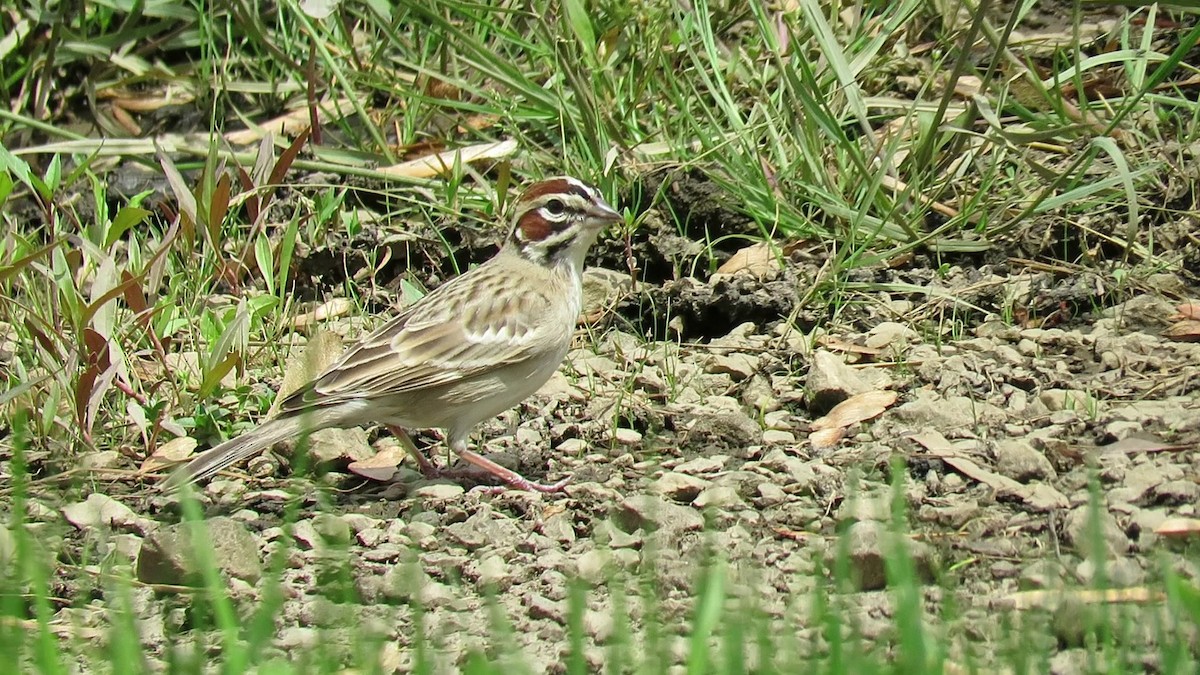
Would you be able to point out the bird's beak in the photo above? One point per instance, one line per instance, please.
(602, 214)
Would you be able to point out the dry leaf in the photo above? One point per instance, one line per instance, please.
(1038, 496)
(826, 439)
(757, 259)
(443, 162)
(1184, 331)
(291, 123)
(857, 408)
(322, 350)
(329, 310)
(1043, 599)
(1135, 444)
(169, 454)
(1178, 527)
(1188, 311)
(382, 466)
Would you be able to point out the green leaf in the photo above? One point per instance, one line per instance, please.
(125, 219)
(287, 246)
(581, 25)
(265, 260)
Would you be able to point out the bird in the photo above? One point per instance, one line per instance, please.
(472, 348)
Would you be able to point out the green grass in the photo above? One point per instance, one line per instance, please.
(796, 117)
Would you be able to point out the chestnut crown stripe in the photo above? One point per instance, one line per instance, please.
(551, 207)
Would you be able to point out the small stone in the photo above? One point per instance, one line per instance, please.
(434, 594)
(438, 491)
(105, 459)
(100, 510)
(1078, 528)
(1019, 460)
(593, 565)
(541, 607)
(777, 437)
(333, 529)
(893, 336)
(572, 447)
(734, 430)
(625, 436)
(1041, 575)
(651, 512)
(868, 554)
(770, 494)
(559, 528)
(678, 487)
(494, 574)
(737, 366)
(718, 497)
(703, 465)
(306, 535)
(339, 445)
(167, 555)
(830, 381)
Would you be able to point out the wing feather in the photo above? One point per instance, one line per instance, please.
(473, 324)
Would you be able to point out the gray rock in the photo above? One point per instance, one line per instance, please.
(893, 336)
(593, 565)
(559, 528)
(100, 510)
(870, 545)
(105, 459)
(830, 381)
(541, 607)
(493, 573)
(1042, 574)
(168, 556)
(651, 513)
(719, 497)
(734, 431)
(438, 491)
(483, 528)
(738, 366)
(339, 445)
(931, 409)
(677, 487)
(1019, 460)
(778, 437)
(1077, 526)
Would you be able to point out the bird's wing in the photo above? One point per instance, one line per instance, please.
(465, 328)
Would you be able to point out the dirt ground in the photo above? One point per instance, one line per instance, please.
(1009, 396)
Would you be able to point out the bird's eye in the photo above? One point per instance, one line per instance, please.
(555, 207)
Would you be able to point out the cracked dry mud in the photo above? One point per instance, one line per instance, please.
(694, 441)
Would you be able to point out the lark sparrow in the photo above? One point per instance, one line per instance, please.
(473, 348)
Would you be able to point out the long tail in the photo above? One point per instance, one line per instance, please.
(235, 450)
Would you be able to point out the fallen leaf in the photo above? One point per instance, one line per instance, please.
(825, 439)
(1184, 331)
(322, 350)
(1044, 599)
(1136, 444)
(756, 259)
(1038, 496)
(1178, 527)
(291, 123)
(169, 454)
(443, 162)
(857, 408)
(382, 466)
(1188, 310)
(334, 308)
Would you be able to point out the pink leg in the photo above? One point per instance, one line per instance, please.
(511, 478)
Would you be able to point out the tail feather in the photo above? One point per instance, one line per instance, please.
(235, 450)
